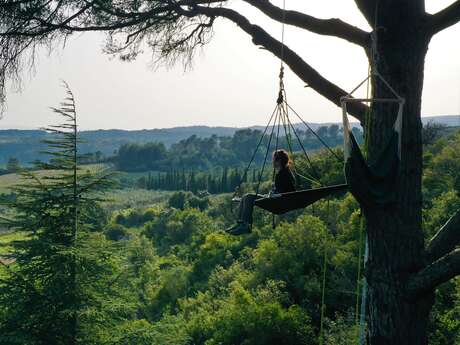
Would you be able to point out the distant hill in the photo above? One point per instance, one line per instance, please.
(447, 120)
(25, 144)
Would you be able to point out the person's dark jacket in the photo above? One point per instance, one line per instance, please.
(284, 181)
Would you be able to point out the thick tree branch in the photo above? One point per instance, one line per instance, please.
(303, 70)
(435, 274)
(446, 239)
(445, 18)
(330, 27)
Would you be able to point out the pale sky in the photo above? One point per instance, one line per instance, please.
(232, 83)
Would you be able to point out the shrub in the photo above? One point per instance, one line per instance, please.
(115, 232)
(178, 200)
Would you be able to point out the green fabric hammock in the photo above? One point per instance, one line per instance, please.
(374, 184)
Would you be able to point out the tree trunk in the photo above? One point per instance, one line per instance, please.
(396, 244)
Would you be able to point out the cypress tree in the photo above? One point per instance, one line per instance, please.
(43, 292)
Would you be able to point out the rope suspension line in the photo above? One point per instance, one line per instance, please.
(323, 283)
(316, 134)
(280, 126)
(362, 318)
(266, 153)
(246, 170)
(282, 33)
(358, 278)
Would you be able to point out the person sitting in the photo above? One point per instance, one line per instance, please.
(284, 183)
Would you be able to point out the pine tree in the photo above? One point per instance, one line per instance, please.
(43, 292)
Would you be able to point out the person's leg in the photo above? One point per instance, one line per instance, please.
(244, 215)
(247, 208)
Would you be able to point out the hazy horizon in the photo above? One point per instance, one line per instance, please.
(232, 84)
(352, 121)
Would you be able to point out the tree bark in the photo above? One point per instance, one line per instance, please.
(396, 243)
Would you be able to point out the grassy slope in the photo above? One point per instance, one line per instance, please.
(9, 180)
(133, 198)
(115, 200)
(6, 183)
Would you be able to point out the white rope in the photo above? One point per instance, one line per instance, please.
(357, 87)
(377, 74)
(346, 133)
(346, 124)
(398, 126)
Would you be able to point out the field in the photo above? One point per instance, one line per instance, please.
(9, 180)
(133, 198)
(115, 200)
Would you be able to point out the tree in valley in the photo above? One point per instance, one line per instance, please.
(403, 271)
(50, 291)
(432, 131)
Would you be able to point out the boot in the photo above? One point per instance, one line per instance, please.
(239, 228)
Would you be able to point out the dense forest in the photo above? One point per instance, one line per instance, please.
(150, 150)
(26, 145)
(166, 272)
(196, 164)
(208, 153)
(212, 182)
(225, 180)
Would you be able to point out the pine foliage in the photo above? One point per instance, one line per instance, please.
(43, 290)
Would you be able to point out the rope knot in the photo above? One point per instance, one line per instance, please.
(280, 94)
(280, 97)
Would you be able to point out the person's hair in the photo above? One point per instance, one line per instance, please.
(282, 156)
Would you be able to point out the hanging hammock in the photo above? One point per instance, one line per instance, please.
(373, 184)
